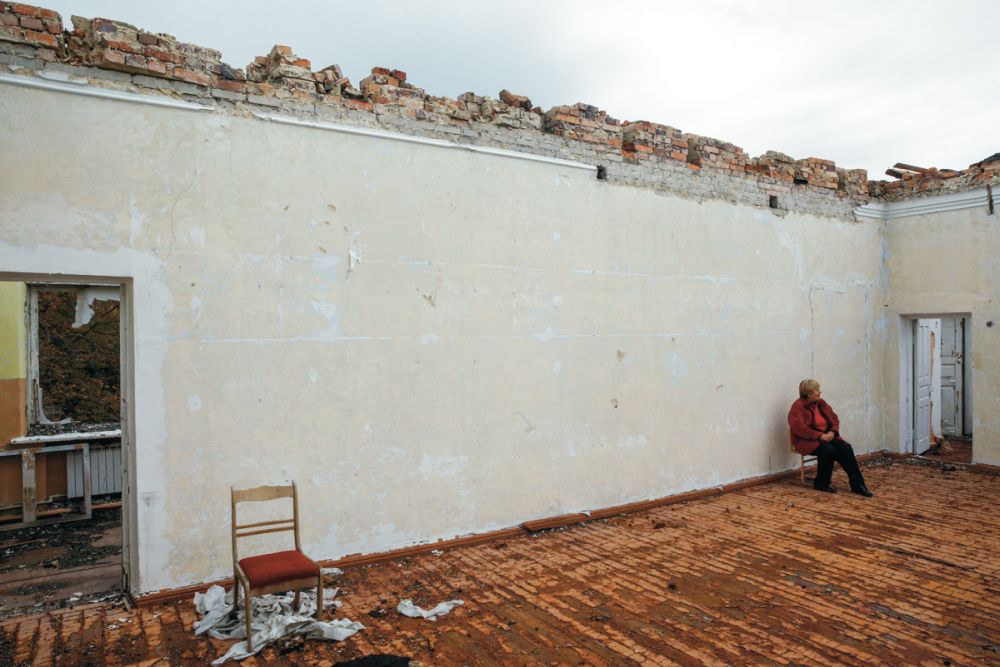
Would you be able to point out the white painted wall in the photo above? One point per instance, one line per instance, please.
(511, 340)
(947, 263)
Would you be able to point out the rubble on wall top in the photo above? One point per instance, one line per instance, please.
(160, 63)
(912, 180)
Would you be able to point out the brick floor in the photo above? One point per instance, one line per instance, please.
(772, 575)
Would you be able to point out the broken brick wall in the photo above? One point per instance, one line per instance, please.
(638, 153)
(412, 331)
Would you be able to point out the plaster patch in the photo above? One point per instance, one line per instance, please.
(354, 253)
(325, 268)
(330, 313)
(196, 306)
(556, 368)
(427, 339)
(555, 237)
(194, 403)
(557, 300)
(313, 375)
(197, 234)
(137, 220)
(677, 366)
(441, 466)
(392, 453)
(546, 335)
(632, 441)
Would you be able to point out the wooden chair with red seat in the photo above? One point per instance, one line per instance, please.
(803, 458)
(274, 572)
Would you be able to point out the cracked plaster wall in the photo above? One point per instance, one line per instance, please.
(430, 342)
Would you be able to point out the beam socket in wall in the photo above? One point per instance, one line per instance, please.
(602, 173)
(772, 201)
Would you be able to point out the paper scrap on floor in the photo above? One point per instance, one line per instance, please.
(407, 608)
(273, 618)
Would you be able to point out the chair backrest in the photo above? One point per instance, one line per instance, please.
(264, 493)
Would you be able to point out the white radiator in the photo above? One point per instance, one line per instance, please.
(105, 470)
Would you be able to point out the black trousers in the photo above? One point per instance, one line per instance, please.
(841, 452)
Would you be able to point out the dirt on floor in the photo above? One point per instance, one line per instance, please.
(60, 565)
(951, 450)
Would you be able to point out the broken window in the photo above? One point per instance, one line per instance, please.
(75, 358)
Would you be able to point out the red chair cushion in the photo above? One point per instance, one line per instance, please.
(274, 568)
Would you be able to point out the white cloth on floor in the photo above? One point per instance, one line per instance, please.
(273, 618)
(407, 608)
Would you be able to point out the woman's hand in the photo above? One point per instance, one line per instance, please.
(827, 437)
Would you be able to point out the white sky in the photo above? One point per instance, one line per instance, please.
(865, 83)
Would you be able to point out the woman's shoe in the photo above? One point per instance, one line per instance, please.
(862, 491)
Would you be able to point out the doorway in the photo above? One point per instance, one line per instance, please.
(64, 442)
(940, 387)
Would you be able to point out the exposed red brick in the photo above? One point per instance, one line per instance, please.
(165, 56)
(148, 39)
(191, 77)
(31, 23)
(136, 61)
(121, 46)
(359, 105)
(155, 66)
(26, 10)
(43, 38)
(110, 57)
(231, 86)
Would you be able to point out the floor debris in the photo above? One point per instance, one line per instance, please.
(273, 619)
(407, 608)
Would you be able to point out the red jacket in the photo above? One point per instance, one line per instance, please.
(805, 437)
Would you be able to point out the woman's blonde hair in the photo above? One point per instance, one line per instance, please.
(807, 387)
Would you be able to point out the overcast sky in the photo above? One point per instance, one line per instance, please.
(864, 83)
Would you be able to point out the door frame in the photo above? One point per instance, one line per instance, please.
(126, 370)
(907, 323)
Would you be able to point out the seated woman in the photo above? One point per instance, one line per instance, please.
(816, 431)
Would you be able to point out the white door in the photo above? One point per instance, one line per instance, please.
(951, 376)
(935, 378)
(924, 343)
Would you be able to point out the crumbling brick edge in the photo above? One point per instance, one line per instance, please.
(115, 55)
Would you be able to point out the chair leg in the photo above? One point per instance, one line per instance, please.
(249, 614)
(319, 595)
(295, 604)
(802, 469)
(236, 593)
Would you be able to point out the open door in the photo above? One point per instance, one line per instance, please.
(952, 375)
(926, 383)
